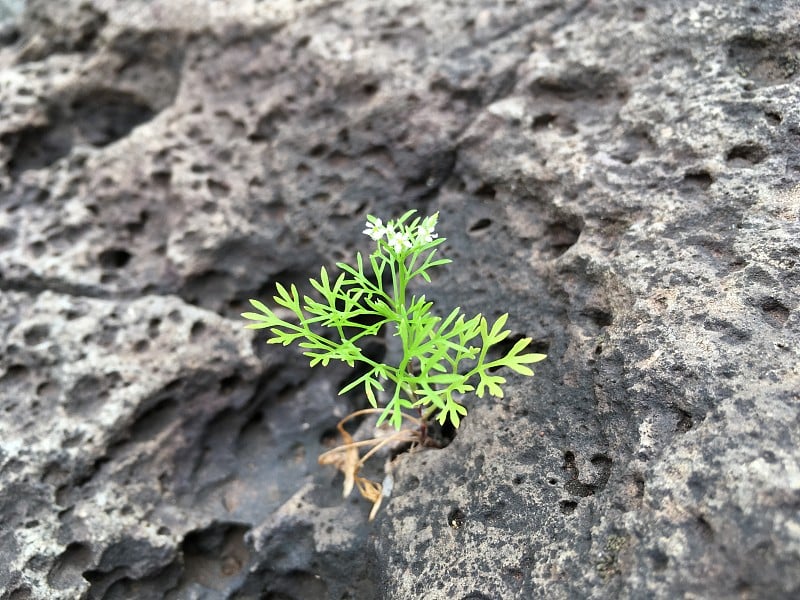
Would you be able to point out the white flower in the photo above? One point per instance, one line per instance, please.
(398, 240)
(400, 237)
(425, 236)
(425, 233)
(375, 229)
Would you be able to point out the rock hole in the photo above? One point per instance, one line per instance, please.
(486, 192)
(154, 420)
(38, 248)
(659, 559)
(207, 288)
(573, 485)
(88, 391)
(47, 389)
(114, 258)
(15, 374)
(567, 507)
(105, 116)
(746, 155)
(539, 346)
(704, 528)
(634, 143)
(268, 125)
(598, 316)
(67, 568)
(229, 384)
(197, 330)
(775, 312)
(161, 177)
(7, 235)
(684, 421)
(21, 593)
(481, 225)
(329, 438)
(36, 147)
(136, 226)
(561, 236)
(251, 433)
(218, 189)
(218, 551)
(153, 327)
(318, 150)
(476, 596)
(441, 435)
(9, 34)
(774, 118)
(581, 83)
(700, 180)
(544, 120)
(36, 334)
(602, 465)
(456, 518)
(370, 88)
(764, 56)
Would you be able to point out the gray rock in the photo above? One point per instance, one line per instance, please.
(11, 9)
(623, 178)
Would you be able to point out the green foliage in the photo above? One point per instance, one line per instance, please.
(443, 357)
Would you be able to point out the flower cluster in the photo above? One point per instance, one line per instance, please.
(401, 237)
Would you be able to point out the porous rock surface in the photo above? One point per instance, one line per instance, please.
(622, 177)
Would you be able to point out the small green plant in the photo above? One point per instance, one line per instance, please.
(443, 357)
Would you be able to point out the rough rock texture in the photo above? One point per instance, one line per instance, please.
(622, 177)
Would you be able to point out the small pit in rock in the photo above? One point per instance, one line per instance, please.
(561, 236)
(567, 507)
(456, 518)
(114, 258)
(480, 226)
(746, 155)
(103, 117)
(696, 180)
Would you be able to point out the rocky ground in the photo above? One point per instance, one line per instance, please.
(621, 177)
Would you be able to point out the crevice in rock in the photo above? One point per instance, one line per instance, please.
(35, 285)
